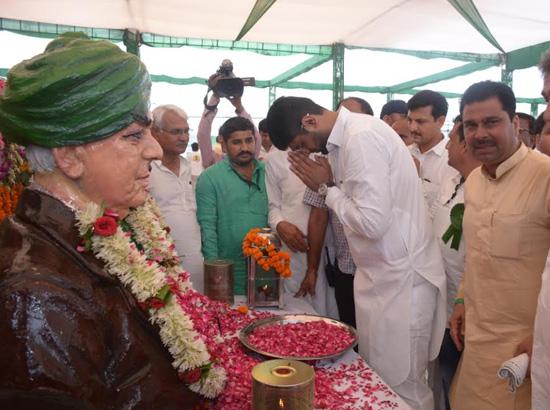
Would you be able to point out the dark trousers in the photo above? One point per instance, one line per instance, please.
(449, 357)
(343, 292)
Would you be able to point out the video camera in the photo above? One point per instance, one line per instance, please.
(226, 85)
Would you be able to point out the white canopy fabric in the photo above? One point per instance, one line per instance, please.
(404, 24)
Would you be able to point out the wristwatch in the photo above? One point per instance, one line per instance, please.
(323, 188)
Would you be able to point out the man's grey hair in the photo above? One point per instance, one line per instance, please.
(161, 110)
(544, 64)
(40, 159)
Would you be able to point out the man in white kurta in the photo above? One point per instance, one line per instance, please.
(372, 186)
(540, 362)
(426, 116)
(172, 186)
(285, 192)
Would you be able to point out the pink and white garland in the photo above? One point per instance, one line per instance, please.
(154, 276)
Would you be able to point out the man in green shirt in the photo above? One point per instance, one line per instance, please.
(232, 198)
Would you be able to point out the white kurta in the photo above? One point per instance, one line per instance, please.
(378, 198)
(540, 362)
(286, 193)
(453, 259)
(175, 195)
(434, 171)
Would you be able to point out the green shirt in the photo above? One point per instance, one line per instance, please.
(228, 206)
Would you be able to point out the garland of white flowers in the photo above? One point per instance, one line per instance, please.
(142, 272)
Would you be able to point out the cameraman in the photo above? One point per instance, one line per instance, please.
(209, 157)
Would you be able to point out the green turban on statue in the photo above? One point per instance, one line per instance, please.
(77, 91)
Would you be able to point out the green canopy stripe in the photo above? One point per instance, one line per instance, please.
(469, 11)
(301, 68)
(259, 9)
(525, 57)
(309, 86)
(460, 56)
(46, 30)
(443, 75)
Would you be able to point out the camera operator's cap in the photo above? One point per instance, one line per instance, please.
(77, 91)
(394, 106)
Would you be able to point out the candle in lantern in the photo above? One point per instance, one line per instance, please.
(265, 290)
(281, 404)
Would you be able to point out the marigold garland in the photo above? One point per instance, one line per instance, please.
(14, 174)
(8, 199)
(266, 253)
(140, 253)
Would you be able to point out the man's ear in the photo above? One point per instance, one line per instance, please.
(224, 145)
(464, 146)
(515, 125)
(440, 120)
(309, 122)
(69, 161)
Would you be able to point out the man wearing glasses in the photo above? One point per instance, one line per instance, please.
(526, 129)
(173, 188)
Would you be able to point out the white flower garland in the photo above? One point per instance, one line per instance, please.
(145, 277)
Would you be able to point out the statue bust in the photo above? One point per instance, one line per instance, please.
(74, 336)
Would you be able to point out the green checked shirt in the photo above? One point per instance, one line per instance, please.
(228, 206)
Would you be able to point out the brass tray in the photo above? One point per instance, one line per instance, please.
(302, 318)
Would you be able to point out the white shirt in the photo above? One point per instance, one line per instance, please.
(175, 195)
(285, 193)
(453, 259)
(434, 170)
(540, 362)
(264, 153)
(378, 198)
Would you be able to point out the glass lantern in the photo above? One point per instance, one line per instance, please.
(265, 288)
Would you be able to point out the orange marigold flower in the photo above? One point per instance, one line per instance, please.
(242, 309)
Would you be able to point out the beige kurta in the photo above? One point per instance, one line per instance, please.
(507, 236)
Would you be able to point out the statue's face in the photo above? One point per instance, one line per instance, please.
(116, 170)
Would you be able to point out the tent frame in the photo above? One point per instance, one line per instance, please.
(319, 54)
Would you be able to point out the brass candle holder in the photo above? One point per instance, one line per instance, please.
(283, 384)
(218, 280)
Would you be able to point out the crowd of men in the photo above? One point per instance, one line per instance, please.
(397, 261)
(435, 248)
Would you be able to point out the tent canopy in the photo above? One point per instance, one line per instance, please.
(477, 34)
(404, 24)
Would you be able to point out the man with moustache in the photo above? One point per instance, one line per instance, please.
(426, 116)
(401, 127)
(506, 231)
(232, 198)
(527, 129)
(370, 183)
(173, 189)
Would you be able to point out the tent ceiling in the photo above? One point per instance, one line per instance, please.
(406, 24)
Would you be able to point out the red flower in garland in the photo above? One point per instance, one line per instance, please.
(152, 303)
(105, 226)
(191, 376)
